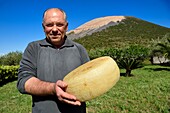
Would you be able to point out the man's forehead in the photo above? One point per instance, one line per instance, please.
(54, 15)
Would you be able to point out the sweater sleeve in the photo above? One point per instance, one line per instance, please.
(83, 53)
(27, 67)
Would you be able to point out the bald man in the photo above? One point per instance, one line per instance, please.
(46, 62)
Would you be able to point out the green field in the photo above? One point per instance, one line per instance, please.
(148, 91)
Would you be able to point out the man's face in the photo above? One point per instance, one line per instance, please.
(55, 27)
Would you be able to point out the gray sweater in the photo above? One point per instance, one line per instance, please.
(42, 60)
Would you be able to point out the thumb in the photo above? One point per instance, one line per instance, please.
(61, 84)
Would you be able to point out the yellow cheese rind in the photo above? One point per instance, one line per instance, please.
(93, 78)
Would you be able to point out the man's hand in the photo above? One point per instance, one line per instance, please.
(63, 96)
(34, 86)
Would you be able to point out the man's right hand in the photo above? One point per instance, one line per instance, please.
(35, 86)
(63, 96)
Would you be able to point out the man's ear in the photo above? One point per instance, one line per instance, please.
(43, 26)
(67, 26)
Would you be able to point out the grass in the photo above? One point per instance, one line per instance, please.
(11, 101)
(148, 91)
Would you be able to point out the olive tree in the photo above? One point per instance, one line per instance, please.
(127, 58)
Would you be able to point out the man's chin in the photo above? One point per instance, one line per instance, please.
(57, 41)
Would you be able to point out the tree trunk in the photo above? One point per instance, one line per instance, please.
(128, 72)
(151, 60)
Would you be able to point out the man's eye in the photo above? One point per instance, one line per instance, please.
(49, 25)
(60, 25)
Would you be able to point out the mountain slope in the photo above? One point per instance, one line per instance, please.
(94, 25)
(125, 32)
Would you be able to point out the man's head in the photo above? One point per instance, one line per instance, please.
(55, 26)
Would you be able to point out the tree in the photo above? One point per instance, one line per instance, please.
(128, 58)
(12, 58)
(162, 48)
(132, 57)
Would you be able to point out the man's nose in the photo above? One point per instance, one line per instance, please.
(54, 28)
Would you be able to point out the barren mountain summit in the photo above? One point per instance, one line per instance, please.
(94, 25)
(98, 22)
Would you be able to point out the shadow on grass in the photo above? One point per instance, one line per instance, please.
(164, 67)
(124, 74)
(5, 81)
(161, 69)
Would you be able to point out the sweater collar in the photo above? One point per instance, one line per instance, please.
(67, 43)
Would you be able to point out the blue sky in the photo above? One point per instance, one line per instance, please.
(20, 20)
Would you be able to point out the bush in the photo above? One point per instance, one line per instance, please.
(8, 73)
(128, 58)
(12, 58)
(132, 58)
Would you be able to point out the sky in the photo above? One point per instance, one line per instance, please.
(21, 20)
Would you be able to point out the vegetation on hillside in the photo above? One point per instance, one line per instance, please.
(128, 32)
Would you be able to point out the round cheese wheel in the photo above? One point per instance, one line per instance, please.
(93, 78)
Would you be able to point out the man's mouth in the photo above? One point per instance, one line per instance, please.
(55, 36)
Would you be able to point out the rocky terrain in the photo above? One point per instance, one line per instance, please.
(94, 25)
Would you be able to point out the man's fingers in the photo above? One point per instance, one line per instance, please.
(64, 96)
(68, 96)
(70, 99)
(73, 102)
(61, 84)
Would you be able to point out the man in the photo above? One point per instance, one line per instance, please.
(45, 63)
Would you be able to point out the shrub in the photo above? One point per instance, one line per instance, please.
(162, 48)
(12, 58)
(8, 73)
(128, 58)
(132, 58)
